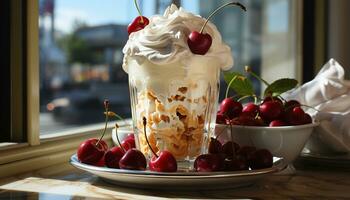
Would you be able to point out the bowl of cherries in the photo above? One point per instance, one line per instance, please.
(269, 122)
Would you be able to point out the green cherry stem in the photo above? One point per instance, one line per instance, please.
(144, 130)
(106, 104)
(138, 10)
(244, 97)
(113, 114)
(219, 8)
(229, 85)
(255, 99)
(249, 70)
(116, 134)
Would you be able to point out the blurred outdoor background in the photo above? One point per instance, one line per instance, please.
(81, 51)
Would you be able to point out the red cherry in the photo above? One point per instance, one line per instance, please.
(215, 146)
(230, 108)
(248, 120)
(277, 123)
(245, 152)
(291, 104)
(128, 143)
(113, 156)
(307, 119)
(209, 163)
(235, 164)
(199, 43)
(90, 153)
(101, 163)
(131, 135)
(251, 109)
(165, 162)
(298, 111)
(228, 150)
(295, 116)
(133, 159)
(138, 24)
(220, 118)
(270, 110)
(270, 98)
(260, 159)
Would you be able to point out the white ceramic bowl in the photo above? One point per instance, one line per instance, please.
(284, 141)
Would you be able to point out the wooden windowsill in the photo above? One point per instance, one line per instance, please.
(64, 181)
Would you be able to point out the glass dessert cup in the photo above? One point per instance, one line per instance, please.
(179, 101)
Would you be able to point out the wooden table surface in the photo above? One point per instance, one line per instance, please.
(65, 182)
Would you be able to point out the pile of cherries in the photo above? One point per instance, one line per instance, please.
(232, 157)
(125, 156)
(229, 157)
(272, 111)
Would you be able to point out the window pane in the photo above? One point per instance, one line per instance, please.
(81, 51)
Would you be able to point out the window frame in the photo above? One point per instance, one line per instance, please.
(5, 83)
(30, 150)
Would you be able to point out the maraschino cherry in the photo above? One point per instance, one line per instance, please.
(164, 162)
(92, 150)
(199, 42)
(139, 22)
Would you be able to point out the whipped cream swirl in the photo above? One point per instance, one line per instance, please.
(164, 40)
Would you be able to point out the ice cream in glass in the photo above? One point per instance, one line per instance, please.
(173, 88)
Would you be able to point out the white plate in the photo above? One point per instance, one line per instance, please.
(181, 179)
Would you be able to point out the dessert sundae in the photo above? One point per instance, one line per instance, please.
(173, 86)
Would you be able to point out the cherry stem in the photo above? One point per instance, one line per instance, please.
(113, 114)
(255, 99)
(106, 104)
(248, 70)
(244, 97)
(144, 130)
(116, 134)
(282, 98)
(229, 85)
(139, 11)
(219, 8)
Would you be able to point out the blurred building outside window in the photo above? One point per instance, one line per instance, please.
(81, 51)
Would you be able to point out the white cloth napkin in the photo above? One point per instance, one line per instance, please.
(329, 93)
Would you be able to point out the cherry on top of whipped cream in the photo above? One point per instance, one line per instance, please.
(139, 23)
(199, 42)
